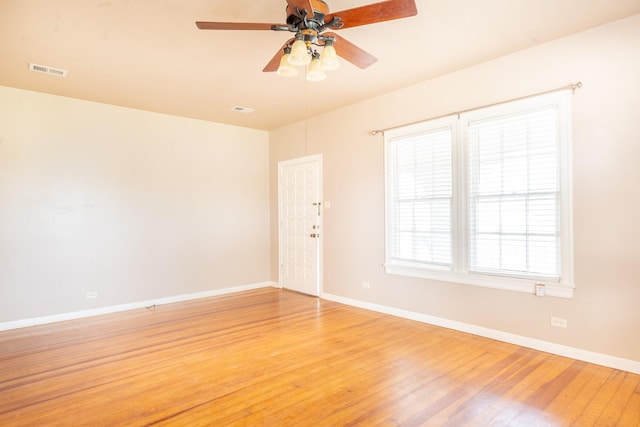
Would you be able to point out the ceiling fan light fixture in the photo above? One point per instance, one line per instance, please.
(308, 19)
(286, 68)
(329, 57)
(299, 53)
(316, 72)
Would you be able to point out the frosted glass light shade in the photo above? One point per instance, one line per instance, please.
(286, 68)
(299, 54)
(329, 58)
(316, 73)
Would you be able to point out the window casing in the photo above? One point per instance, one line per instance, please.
(484, 197)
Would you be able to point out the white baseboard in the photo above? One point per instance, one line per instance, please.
(628, 365)
(23, 323)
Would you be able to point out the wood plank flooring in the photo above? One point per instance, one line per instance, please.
(275, 358)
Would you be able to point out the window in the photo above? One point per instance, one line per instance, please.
(484, 198)
(422, 196)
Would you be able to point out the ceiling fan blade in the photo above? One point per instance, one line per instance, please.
(376, 12)
(234, 26)
(275, 61)
(352, 53)
(301, 5)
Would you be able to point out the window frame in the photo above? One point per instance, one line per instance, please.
(460, 272)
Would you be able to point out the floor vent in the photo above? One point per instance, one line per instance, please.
(47, 70)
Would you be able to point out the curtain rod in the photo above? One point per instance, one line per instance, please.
(571, 87)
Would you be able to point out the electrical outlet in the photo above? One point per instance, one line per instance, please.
(91, 295)
(558, 322)
(366, 285)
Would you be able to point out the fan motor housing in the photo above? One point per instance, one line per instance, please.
(320, 10)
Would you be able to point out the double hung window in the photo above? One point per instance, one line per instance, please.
(484, 197)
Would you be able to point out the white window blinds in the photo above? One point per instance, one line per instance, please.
(420, 201)
(484, 197)
(514, 194)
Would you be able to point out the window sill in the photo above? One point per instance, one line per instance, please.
(553, 289)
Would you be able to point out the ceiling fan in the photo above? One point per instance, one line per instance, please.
(308, 20)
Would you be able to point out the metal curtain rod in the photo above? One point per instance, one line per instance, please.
(571, 87)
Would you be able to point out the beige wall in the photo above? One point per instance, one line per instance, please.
(132, 205)
(603, 316)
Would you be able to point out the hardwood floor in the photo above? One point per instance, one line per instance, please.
(277, 358)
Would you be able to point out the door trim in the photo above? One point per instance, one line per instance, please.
(315, 158)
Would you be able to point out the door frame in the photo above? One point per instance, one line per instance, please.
(315, 158)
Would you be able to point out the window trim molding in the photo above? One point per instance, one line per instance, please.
(460, 273)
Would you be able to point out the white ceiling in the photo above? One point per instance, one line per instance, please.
(149, 55)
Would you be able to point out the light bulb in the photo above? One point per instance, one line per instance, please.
(329, 58)
(299, 54)
(316, 73)
(286, 68)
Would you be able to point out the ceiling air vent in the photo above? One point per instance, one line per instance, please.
(243, 110)
(47, 70)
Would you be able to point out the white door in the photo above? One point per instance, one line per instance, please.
(300, 219)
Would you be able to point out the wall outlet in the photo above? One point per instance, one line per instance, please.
(366, 285)
(540, 290)
(558, 322)
(91, 295)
